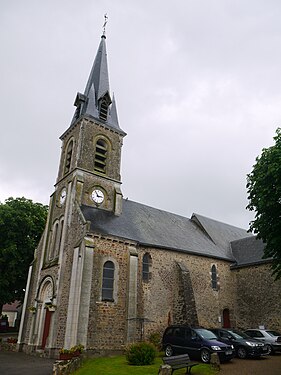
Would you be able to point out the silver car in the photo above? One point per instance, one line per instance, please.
(270, 338)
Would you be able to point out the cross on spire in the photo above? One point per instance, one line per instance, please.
(104, 24)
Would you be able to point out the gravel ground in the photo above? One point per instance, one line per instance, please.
(268, 365)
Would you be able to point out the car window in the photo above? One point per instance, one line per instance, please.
(169, 332)
(239, 335)
(194, 335)
(254, 333)
(225, 334)
(250, 333)
(206, 334)
(179, 332)
(188, 334)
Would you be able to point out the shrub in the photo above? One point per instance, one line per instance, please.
(65, 351)
(156, 339)
(77, 348)
(12, 340)
(140, 354)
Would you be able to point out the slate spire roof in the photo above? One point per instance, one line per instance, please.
(96, 101)
(99, 77)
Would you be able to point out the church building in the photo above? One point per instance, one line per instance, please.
(109, 271)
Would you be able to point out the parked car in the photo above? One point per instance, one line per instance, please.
(243, 344)
(199, 343)
(4, 325)
(271, 339)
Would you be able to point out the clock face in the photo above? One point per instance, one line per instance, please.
(97, 196)
(62, 196)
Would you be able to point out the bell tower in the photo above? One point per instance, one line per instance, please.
(69, 251)
(91, 147)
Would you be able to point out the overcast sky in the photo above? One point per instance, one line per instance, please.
(197, 85)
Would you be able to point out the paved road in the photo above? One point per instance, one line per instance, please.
(14, 363)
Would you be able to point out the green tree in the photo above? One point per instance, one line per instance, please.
(264, 189)
(21, 225)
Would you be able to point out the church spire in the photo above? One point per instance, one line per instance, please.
(99, 74)
(96, 101)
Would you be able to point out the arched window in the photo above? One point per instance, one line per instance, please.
(108, 281)
(146, 265)
(100, 155)
(53, 240)
(58, 239)
(68, 157)
(214, 277)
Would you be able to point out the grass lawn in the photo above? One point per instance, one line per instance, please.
(118, 366)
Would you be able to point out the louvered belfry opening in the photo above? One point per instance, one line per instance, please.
(100, 155)
(103, 109)
(68, 157)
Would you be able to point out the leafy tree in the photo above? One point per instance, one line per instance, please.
(264, 189)
(21, 225)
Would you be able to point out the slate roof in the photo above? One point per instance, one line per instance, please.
(221, 233)
(247, 251)
(149, 226)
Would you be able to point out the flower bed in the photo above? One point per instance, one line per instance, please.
(67, 354)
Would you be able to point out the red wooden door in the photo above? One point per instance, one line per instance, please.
(46, 327)
(226, 319)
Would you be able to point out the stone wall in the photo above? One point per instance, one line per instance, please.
(161, 299)
(108, 320)
(258, 298)
(67, 367)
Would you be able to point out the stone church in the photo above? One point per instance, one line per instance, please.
(109, 271)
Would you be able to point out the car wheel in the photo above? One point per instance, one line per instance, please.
(269, 349)
(241, 353)
(169, 351)
(205, 356)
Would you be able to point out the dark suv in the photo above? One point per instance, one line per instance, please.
(244, 345)
(199, 343)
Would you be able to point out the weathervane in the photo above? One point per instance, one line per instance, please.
(105, 22)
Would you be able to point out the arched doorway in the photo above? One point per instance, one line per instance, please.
(226, 318)
(45, 316)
